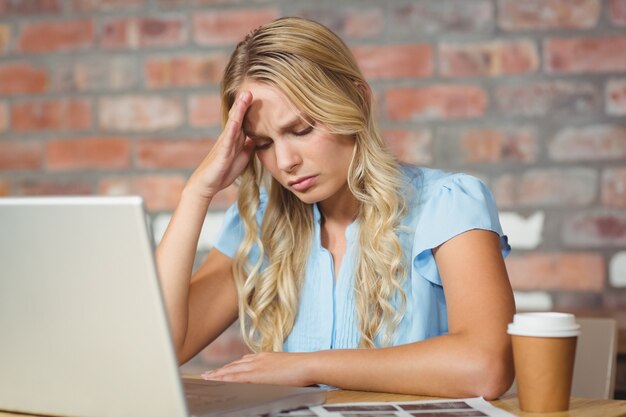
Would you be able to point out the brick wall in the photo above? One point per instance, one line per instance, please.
(121, 97)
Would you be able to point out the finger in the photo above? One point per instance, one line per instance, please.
(243, 377)
(233, 133)
(232, 139)
(215, 373)
(238, 110)
(233, 378)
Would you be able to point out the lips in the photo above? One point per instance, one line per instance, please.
(303, 183)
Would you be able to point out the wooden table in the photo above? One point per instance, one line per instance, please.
(579, 407)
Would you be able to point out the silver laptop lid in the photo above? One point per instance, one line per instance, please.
(77, 286)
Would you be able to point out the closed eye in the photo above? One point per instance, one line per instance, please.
(262, 146)
(304, 131)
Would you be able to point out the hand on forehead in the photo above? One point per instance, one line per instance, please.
(270, 113)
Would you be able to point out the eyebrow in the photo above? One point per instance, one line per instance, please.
(285, 128)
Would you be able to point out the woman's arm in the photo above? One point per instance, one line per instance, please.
(473, 359)
(199, 308)
(211, 304)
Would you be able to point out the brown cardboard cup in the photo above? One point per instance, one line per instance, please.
(544, 348)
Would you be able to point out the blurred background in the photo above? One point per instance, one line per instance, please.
(120, 97)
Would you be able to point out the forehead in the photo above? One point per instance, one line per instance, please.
(270, 107)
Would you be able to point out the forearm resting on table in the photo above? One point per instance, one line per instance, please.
(448, 365)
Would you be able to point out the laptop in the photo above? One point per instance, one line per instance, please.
(83, 327)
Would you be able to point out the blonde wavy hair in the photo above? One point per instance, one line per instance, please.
(317, 72)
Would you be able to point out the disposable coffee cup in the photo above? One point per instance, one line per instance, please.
(544, 348)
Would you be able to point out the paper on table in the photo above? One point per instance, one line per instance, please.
(466, 407)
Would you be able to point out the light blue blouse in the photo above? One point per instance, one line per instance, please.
(441, 206)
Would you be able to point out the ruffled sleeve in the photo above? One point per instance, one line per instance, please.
(450, 206)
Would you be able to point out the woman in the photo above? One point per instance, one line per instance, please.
(345, 268)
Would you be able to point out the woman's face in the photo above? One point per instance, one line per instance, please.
(300, 154)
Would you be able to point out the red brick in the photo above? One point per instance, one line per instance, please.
(589, 143)
(441, 18)
(571, 187)
(148, 32)
(487, 145)
(585, 55)
(548, 98)
(614, 187)
(88, 153)
(56, 36)
(548, 14)
(54, 186)
(205, 110)
(22, 155)
(22, 78)
(90, 6)
(160, 192)
(578, 271)
(558, 187)
(615, 96)
(596, 228)
(5, 188)
(140, 113)
(5, 38)
(488, 59)
(30, 7)
(120, 34)
(177, 153)
(358, 23)
(185, 71)
(395, 61)
(410, 146)
(51, 115)
(98, 72)
(4, 118)
(617, 12)
(504, 190)
(436, 102)
(229, 26)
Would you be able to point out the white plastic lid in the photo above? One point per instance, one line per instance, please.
(544, 324)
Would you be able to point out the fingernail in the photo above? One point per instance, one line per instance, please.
(242, 95)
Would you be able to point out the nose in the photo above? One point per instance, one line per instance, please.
(287, 156)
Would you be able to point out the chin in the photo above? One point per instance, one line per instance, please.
(308, 198)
